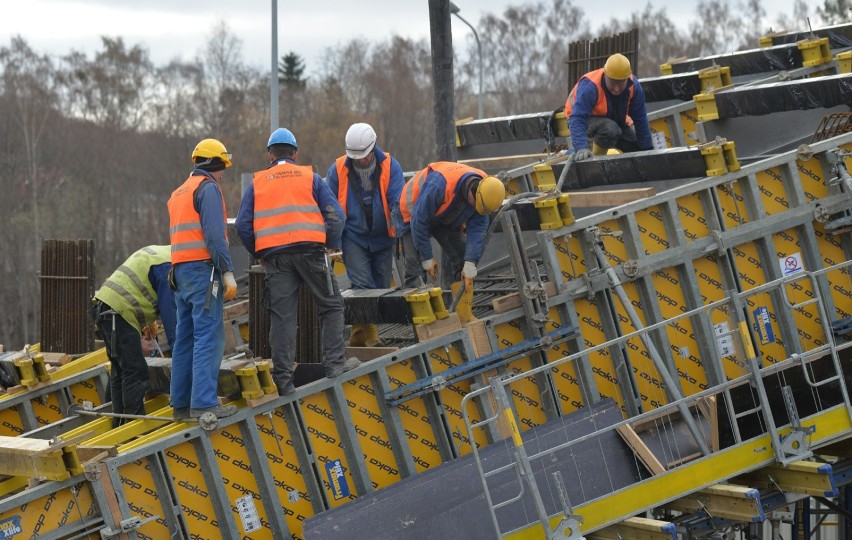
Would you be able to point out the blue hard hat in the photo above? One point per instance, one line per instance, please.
(282, 136)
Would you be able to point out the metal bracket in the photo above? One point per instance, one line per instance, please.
(126, 526)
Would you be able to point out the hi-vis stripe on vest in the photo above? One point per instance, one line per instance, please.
(600, 108)
(384, 182)
(128, 290)
(452, 173)
(285, 211)
(185, 233)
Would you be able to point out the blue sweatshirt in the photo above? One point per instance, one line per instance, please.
(158, 276)
(208, 203)
(459, 213)
(617, 110)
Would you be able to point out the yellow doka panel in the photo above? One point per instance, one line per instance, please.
(86, 391)
(688, 120)
(327, 446)
(692, 218)
(142, 498)
(191, 490)
(451, 396)
(839, 281)
(235, 466)
(564, 375)
(415, 421)
(372, 433)
(748, 265)
(653, 235)
(286, 471)
(812, 179)
(48, 514)
(526, 392)
(568, 254)
(762, 318)
(47, 410)
(731, 200)
(593, 334)
(11, 423)
(661, 126)
(772, 193)
(515, 186)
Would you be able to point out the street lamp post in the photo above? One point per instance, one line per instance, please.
(454, 9)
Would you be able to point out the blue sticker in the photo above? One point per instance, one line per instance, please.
(763, 326)
(10, 527)
(336, 479)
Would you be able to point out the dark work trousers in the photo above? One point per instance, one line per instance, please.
(608, 134)
(451, 240)
(128, 380)
(285, 272)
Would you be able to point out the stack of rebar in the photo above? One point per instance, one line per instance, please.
(587, 55)
(67, 285)
(308, 337)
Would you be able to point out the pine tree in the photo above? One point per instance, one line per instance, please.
(291, 69)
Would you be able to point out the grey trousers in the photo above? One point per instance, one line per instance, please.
(284, 274)
(452, 241)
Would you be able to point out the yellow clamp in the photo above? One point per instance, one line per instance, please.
(844, 61)
(814, 52)
(714, 78)
(705, 106)
(427, 306)
(720, 158)
(32, 370)
(554, 211)
(666, 69)
(561, 122)
(250, 386)
(542, 177)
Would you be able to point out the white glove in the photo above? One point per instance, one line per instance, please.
(430, 268)
(230, 286)
(582, 154)
(469, 270)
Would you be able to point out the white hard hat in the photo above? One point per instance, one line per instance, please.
(360, 140)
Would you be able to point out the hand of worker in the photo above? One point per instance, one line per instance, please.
(151, 331)
(230, 286)
(431, 268)
(468, 273)
(583, 154)
(335, 256)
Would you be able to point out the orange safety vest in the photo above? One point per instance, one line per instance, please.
(285, 211)
(384, 182)
(185, 234)
(452, 173)
(600, 108)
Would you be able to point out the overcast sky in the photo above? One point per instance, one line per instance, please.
(176, 28)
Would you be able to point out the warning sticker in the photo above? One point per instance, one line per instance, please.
(791, 264)
(724, 341)
(10, 527)
(336, 479)
(248, 514)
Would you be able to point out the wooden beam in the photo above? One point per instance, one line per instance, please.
(640, 449)
(513, 301)
(636, 528)
(505, 162)
(725, 501)
(439, 328)
(614, 197)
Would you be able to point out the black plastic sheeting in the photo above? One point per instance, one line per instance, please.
(505, 129)
(636, 167)
(682, 86)
(762, 60)
(839, 36)
(822, 92)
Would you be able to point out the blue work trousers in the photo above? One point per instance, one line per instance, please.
(200, 339)
(367, 269)
(285, 272)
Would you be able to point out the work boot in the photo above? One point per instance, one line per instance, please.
(348, 365)
(357, 335)
(221, 411)
(286, 389)
(181, 413)
(371, 336)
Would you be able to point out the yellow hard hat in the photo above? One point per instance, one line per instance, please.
(489, 195)
(613, 152)
(209, 149)
(617, 67)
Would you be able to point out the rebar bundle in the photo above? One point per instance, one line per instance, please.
(67, 285)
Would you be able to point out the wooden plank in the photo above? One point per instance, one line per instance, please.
(439, 328)
(505, 162)
(235, 309)
(95, 453)
(513, 301)
(640, 449)
(614, 197)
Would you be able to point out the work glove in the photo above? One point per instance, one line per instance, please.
(431, 268)
(151, 331)
(335, 256)
(230, 286)
(583, 154)
(468, 273)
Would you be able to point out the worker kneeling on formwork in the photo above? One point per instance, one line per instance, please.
(607, 108)
(451, 202)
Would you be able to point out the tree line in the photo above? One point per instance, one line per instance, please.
(92, 147)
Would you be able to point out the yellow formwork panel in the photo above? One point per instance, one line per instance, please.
(372, 433)
(47, 515)
(689, 119)
(812, 178)
(772, 193)
(564, 375)
(414, 418)
(592, 332)
(660, 125)
(653, 234)
(567, 250)
(515, 186)
(143, 500)
(525, 393)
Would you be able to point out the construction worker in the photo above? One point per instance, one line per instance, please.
(607, 108)
(287, 218)
(128, 303)
(451, 202)
(367, 183)
(203, 277)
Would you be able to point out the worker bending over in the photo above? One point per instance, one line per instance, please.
(203, 280)
(130, 300)
(607, 107)
(450, 202)
(367, 183)
(287, 218)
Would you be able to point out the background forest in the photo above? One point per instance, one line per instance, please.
(91, 147)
